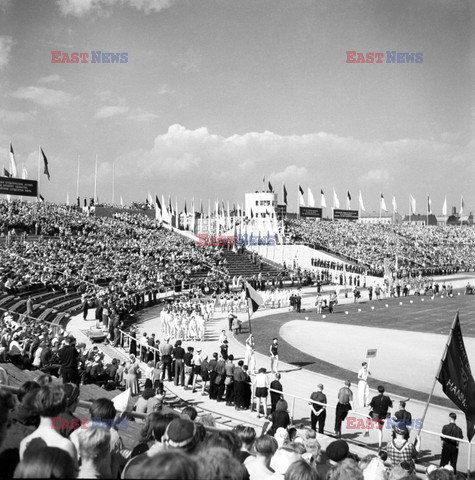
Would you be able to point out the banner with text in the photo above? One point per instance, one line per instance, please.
(310, 212)
(345, 214)
(17, 186)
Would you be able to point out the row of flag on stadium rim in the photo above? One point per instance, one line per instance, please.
(454, 373)
(13, 171)
(336, 202)
(225, 219)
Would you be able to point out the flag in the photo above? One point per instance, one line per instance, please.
(24, 173)
(165, 214)
(336, 202)
(186, 212)
(456, 378)
(383, 204)
(285, 194)
(394, 204)
(429, 205)
(42, 199)
(45, 162)
(67, 199)
(158, 209)
(444, 207)
(461, 205)
(121, 202)
(360, 200)
(13, 168)
(348, 200)
(311, 200)
(6, 173)
(254, 300)
(301, 200)
(150, 199)
(323, 202)
(270, 188)
(412, 202)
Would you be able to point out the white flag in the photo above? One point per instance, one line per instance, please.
(444, 207)
(13, 168)
(165, 215)
(336, 202)
(311, 200)
(25, 173)
(361, 203)
(383, 204)
(412, 201)
(394, 204)
(429, 205)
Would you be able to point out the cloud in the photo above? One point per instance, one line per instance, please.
(189, 61)
(51, 79)
(6, 44)
(15, 117)
(203, 163)
(143, 117)
(81, 8)
(111, 111)
(46, 97)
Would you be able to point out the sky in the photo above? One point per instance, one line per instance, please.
(218, 94)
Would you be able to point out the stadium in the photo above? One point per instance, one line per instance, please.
(230, 251)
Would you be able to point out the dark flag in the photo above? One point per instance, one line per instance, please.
(301, 190)
(186, 213)
(45, 162)
(42, 198)
(270, 188)
(157, 202)
(285, 195)
(6, 173)
(254, 300)
(456, 377)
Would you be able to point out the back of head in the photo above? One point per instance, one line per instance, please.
(102, 409)
(7, 403)
(160, 424)
(190, 412)
(266, 445)
(300, 470)
(218, 463)
(26, 388)
(247, 435)
(441, 474)
(381, 389)
(228, 440)
(346, 470)
(50, 400)
(48, 462)
(173, 463)
(94, 443)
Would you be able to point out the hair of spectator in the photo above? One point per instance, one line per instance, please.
(219, 463)
(300, 470)
(27, 387)
(190, 411)
(7, 403)
(266, 446)
(103, 409)
(49, 401)
(172, 463)
(281, 406)
(229, 440)
(347, 469)
(47, 462)
(94, 443)
(160, 424)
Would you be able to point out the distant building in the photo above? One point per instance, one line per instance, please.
(420, 219)
(376, 217)
(260, 203)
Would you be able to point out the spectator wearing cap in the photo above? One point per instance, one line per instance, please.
(450, 447)
(345, 398)
(380, 405)
(69, 358)
(319, 411)
(400, 450)
(182, 433)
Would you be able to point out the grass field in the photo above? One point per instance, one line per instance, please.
(424, 315)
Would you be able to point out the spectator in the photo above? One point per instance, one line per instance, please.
(94, 451)
(46, 462)
(258, 466)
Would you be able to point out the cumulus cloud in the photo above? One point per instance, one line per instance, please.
(15, 117)
(143, 117)
(81, 8)
(6, 44)
(111, 111)
(46, 97)
(197, 160)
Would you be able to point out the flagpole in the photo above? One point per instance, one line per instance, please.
(427, 210)
(95, 183)
(77, 182)
(39, 178)
(410, 209)
(113, 182)
(426, 407)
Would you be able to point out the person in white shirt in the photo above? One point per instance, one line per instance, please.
(363, 389)
(261, 385)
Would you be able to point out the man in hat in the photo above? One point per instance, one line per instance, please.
(345, 397)
(184, 434)
(450, 447)
(318, 412)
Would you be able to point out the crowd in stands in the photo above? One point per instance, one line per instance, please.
(52, 442)
(410, 250)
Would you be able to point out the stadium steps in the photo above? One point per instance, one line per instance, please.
(240, 264)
